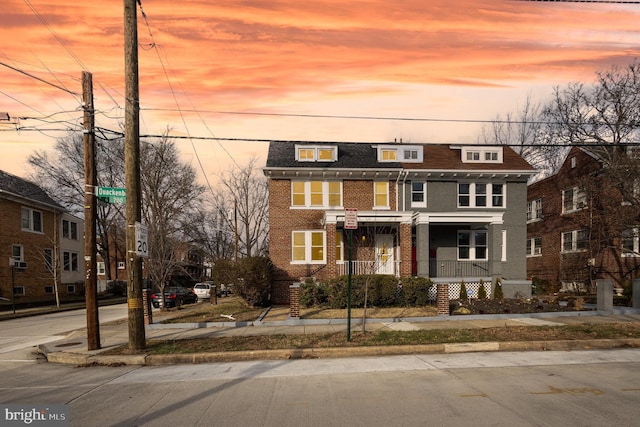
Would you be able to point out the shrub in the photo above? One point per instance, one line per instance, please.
(497, 294)
(255, 278)
(415, 291)
(313, 294)
(482, 292)
(463, 291)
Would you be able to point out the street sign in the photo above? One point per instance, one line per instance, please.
(142, 244)
(112, 195)
(351, 219)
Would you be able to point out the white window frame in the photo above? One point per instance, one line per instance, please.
(48, 290)
(18, 291)
(101, 269)
(574, 234)
(482, 154)
(17, 256)
(121, 265)
(534, 210)
(339, 245)
(71, 289)
(308, 195)
(308, 248)
(489, 195)
(375, 195)
(423, 191)
(28, 215)
(473, 246)
(578, 200)
(632, 250)
(315, 153)
(533, 248)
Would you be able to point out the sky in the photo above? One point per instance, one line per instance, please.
(226, 72)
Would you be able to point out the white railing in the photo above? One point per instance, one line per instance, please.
(368, 267)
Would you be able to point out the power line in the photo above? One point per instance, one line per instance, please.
(39, 79)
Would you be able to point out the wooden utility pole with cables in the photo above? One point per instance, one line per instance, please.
(137, 340)
(90, 211)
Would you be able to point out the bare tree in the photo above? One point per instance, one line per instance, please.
(526, 131)
(171, 202)
(245, 200)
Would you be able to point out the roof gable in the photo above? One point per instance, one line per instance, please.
(11, 185)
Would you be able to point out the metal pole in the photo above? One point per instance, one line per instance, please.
(13, 288)
(349, 288)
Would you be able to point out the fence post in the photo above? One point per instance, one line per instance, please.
(604, 294)
(443, 299)
(635, 292)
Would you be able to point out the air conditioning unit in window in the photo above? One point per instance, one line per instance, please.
(20, 264)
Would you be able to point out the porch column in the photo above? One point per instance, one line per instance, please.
(405, 250)
(443, 299)
(294, 301)
(495, 254)
(332, 268)
(422, 250)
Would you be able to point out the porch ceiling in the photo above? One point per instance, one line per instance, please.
(459, 217)
(397, 217)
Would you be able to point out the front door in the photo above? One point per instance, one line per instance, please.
(385, 261)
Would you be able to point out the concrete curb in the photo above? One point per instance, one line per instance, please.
(334, 352)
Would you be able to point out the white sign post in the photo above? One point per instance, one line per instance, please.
(142, 244)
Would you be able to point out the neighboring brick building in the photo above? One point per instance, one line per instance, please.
(578, 227)
(38, 243)
(439, 211)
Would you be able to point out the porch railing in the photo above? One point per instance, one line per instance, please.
(475, 268)
(368, 267)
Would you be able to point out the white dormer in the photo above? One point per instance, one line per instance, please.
(477, 154)
(404, 153)
(316, 153)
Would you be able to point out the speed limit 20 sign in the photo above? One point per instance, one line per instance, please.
(142, 244)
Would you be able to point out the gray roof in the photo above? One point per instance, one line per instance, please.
(350, 156)
(16, 187)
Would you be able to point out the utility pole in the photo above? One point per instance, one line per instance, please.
(137, 339)
(90, 209)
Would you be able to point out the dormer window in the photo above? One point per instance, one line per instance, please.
(400, 153)
(314, 153)
(482, 154)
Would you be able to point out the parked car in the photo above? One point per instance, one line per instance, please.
(202, 290)
(174, 296)
(225, 290)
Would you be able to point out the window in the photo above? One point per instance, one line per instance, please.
(308, 247)
(100, 268)
(69, 229)
(388, 155)
(48, 260)
(534, 246)
(121, 265)
(31, 220)
(70, 261)
(411, 154)
(324, 194)
(312, 153)
(381, 194)
(480, 195)
(534, 210)
(573, 199)
(574, 241)
(339, 246)
(472, 245)
(18, 291)
(48, 289)
(481, 155)
(71, 289)
(17, 252)
(573, 162)
(630, 243)
(418, 194)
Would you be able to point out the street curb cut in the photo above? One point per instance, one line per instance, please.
(333, 352)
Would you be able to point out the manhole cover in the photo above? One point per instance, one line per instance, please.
(68, 344)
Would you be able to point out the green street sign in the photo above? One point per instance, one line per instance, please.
(112, 195)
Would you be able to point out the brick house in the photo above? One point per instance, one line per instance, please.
(439, 211)
(40, 243)
(579, 228)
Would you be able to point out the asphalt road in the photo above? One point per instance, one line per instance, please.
(582, 388)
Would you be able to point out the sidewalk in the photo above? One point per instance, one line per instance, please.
(73, 349)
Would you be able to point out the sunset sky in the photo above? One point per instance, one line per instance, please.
(274, 69)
